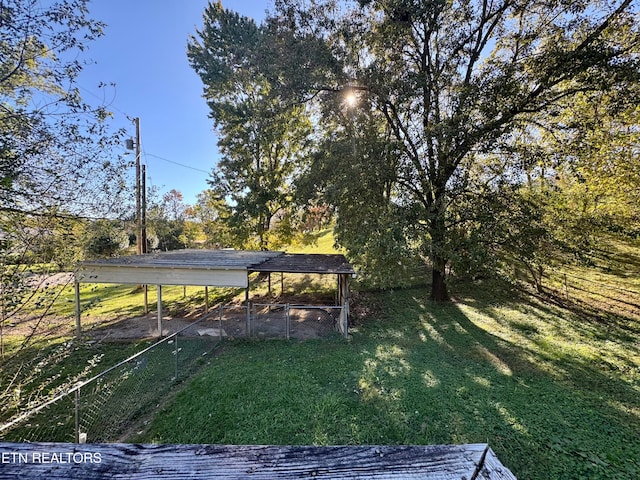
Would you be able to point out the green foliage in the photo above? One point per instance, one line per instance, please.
(212, 213)
(261, 136)
(169, 225)
(355, 172)
(601, 169)
(454, 84)
(45, 370)
(579, 181)
(49, 136)
(106, 238)
(56, 160)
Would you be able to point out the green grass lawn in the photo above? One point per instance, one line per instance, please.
(551, 382)
(321, 241)
(555, 395)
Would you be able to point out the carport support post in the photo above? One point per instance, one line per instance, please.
(344, 301)
(76, 286)
(246, 300)
(159, 310)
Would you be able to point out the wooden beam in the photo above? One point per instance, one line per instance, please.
(227, 462)
(165, 275)
(248, 307)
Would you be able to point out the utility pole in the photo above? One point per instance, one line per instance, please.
(139, 244)
(141, 203)
(141, 194)
(143, 229)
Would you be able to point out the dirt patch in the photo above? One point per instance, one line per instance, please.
(266, 322)
(50, 280)
(233, 323)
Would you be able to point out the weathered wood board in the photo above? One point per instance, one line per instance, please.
(54, 461)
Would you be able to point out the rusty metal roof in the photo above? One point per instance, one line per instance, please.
(305, 263)
(257, 261)
(190, 258)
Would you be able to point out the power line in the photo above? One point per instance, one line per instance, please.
(110, 105)
(176, 163)
(114, 107)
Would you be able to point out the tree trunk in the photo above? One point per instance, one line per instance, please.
(439, 292)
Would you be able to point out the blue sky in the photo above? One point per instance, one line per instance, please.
(143, 52)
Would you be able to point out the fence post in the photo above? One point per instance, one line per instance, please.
(206, 299)
(77, 415)
(566, 287)
(287, 318)
(176, 342)
(159, 290)
(248, 319)
(76, 286)
(146, 299)
(345, 307)
(343, 322)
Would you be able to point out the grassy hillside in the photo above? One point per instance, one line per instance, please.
(555, 394)
(318, 242)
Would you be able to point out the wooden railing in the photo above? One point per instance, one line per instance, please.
(54, 461)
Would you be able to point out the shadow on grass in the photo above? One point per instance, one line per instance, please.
(441, 378)
(422, 373)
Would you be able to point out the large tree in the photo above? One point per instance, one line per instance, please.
(454, 81)
(261, 136)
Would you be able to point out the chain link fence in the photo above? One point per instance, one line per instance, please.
(309, 321)
(233, 320)
(280, 320)
(283, 320)
(113, 405)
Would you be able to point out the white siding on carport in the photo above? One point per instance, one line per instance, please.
(217, 268)
(140, 275)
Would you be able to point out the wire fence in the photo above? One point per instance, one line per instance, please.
(281, 320)
(612, 298)
(269, 320)
(113, 405)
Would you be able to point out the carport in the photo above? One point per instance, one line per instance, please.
(216, 268)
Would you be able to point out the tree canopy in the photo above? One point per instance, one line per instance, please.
(55, 149)
(439, 130)
(262, 137)
(455, 85)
